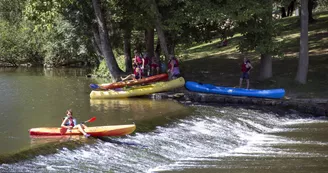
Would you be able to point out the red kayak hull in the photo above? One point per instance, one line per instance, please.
(160, 77)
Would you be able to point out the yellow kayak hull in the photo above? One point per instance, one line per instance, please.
(139, 91)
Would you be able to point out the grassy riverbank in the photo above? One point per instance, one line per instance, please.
(208, 63)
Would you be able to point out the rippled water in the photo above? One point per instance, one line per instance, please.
(211, 139)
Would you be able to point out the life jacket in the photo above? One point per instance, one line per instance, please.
(71, 121)
(147, 60)
(176, 63)
(138, 60)
(244, 69)
(136, 74)
(225, 43)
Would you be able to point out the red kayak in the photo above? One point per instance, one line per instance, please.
(160, 77)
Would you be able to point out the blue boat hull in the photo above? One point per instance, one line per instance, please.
(209, 88)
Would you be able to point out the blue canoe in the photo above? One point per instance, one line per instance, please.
(209, 88)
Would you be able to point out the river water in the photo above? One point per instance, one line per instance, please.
(199, 139)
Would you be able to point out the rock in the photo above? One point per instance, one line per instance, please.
(317, 107)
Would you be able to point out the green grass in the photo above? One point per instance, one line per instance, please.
(208, 63)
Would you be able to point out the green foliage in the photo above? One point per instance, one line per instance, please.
(18, 44)
(67, 29)
(63, 46)
(259, 31)
(11, 10)
(102, 70)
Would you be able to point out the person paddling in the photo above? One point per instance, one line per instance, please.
(245, 69)
(70, 123)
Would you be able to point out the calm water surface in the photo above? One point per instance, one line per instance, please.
(230, 139)
(39, 97)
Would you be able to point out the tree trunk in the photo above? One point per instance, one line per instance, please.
(303, 62)
(266, 67)
(159, 29)
(106, 48)
(266, 58)
(158, 51)
(149, 36)
(170, 43)
(127, 50)
(96, 44)
(290, 8)
(283, 12)
(310, 8)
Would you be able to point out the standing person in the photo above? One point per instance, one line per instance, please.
(138, 62)
(173, 67)
(245, 69)
(154, 66)
(70, 123)
(146, 70)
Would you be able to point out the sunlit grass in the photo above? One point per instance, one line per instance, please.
(222, 64)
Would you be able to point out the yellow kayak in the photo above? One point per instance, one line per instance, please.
(139, 91)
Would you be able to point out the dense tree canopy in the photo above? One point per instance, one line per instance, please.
(61, 32)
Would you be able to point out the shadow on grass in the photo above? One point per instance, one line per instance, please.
(225, 71)
(207, 63)
(209, 49)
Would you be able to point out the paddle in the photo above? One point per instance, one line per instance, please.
(94, 86)
(64, 130)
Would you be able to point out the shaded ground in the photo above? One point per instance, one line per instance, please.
(207, 63)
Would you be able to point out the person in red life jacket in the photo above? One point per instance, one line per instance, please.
(70, 123)
(173, 67)
(245, 69)
(134, 76)
(154, 66)
(224, 43)
(138, 62)
(146, 70)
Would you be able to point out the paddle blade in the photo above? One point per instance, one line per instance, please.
(91, 119)
(63, 130)
(94, 86)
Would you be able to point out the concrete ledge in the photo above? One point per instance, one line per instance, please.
(317, 107)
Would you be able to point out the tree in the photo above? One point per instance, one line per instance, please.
(159, 28)
(105, 46)
(259, 33)
(303, 62)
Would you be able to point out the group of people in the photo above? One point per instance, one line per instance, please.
(144, 66)
(139, 64)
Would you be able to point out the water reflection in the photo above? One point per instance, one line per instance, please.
(138, 108)
(41, 140)
(48, 72)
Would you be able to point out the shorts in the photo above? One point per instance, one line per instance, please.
(154, 65)
(174, 76)
(244, 75)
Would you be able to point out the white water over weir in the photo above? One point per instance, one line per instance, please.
(212, 139)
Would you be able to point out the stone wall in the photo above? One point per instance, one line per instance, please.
(317, 107)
